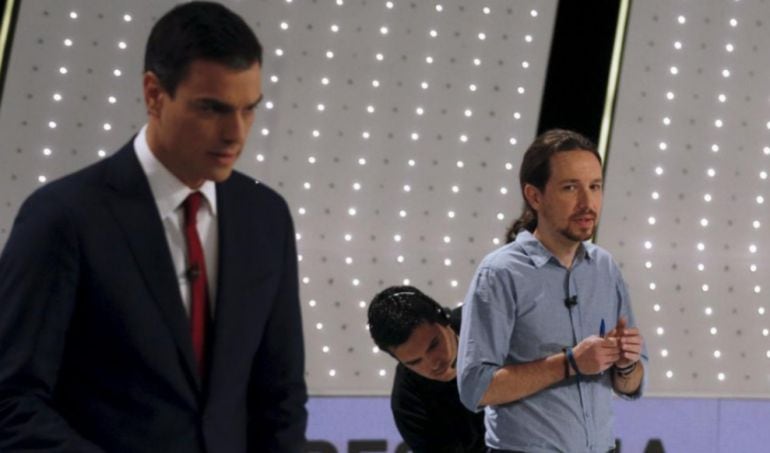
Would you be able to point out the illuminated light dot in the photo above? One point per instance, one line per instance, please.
(455, 189)
(321, 107)
(340, 2)
(482, 36)
(384, 30)
(127, 17)
(348, 237)
(708, 311)
(319, 326)
(419, 110)
(352, 211)
(662, 146)
(112, 99)
(406, 281)
(763, 175)
(464, 138)
(415, 136)
(760, 199)
(334, 28)
(284, 26)
(324, 81)
(439, 8)
(298, 236)
(761, 310)
(656, 307)
(107, 127)
(508, 166)
(312, 303)
(362, 304)
(265, 132)
(753, 248)
(122, 45)
(451, 214)
(411, 163)
(670, 95)
(62, 70)
(717, 354)
(269, 105)
(718, 123)
(669, 374)
(375, 350)
(348, 260)
(701, 267)
(361, 161)
(376, 83)
(42, 179)
(677, 45)
(715, 148)
(758, 289)
(397, 238)
(433, 33)
(274, 78)
(503, 190)
(520, 90)
(725, 73)
(311, 159)
(68, 42)
(513, 141)
(658, 171)
(681, 19)
(711, 172)
(468, 113)
(325, 349)
(705, 288)
(117, 72)
(701, 247)
(648, 245)
(382, 373)
(379, 57)
(664, 352)
(332, 373)
(765, 332)
(472, 87)
(73, 15)
(516, 115)
(356, 186)
(733, 22)
(674, 70)
(305, 280)
(713, 331)
(729, 47)
(648, 264)
(365, 135)
(356, 282)
(767, 354)
(424, 85)
(659, 331)
(528, 38)
(329, 54)
(655, 195)
(500, 216)
(307, 186)
(453, 283)
(651, 220)
(756, 224)
(653, 286)
(722, 98)
(525, 64)
(447, 239)
(370, 108)
(429, 59)
(101, 153)
(57, 97)
(316, 133)
(47, 151)
(496, 241)
(301, 211)
(533, 13)
(707, 198)
(447, 262)
(402, 213)
(486, 10)
(704, 222)
(666, 121)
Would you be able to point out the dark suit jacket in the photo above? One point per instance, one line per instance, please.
(95, 347)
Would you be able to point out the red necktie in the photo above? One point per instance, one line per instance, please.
(196, 275)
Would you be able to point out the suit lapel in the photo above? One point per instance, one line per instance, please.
(133, 205)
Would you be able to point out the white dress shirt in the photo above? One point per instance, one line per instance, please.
(170, 194)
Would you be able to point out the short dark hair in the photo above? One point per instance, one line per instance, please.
(536, 169)
(198, 30)
(396, 311)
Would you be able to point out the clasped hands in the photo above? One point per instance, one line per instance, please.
(621, 347)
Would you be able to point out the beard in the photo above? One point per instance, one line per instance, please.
(580, 234)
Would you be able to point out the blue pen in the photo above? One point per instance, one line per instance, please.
(601, 329)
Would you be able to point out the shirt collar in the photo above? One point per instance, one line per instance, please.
(541, 255)
(168, 190)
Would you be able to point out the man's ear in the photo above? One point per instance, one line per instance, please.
(533, 196)
(154, 94)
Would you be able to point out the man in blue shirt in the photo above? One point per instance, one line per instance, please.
(533, 349)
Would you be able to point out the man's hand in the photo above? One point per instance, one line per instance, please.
(595, 354)
(629, 343)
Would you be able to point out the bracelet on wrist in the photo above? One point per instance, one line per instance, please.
(626, 370)
(566, 363)
(573, 363)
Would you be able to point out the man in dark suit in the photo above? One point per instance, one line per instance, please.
(149, 302)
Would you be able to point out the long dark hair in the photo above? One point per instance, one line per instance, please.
(536, 170)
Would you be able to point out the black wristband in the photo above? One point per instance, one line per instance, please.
(626, 370)
(566, 363)
(571, 358)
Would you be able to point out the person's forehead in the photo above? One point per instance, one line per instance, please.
(418, 341)
(575, 160)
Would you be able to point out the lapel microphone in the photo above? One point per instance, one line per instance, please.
(571, 301)
(192, 273)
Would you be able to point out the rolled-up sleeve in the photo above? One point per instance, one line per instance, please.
(487, 324)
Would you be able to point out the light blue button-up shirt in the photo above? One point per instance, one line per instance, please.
(515, 312)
